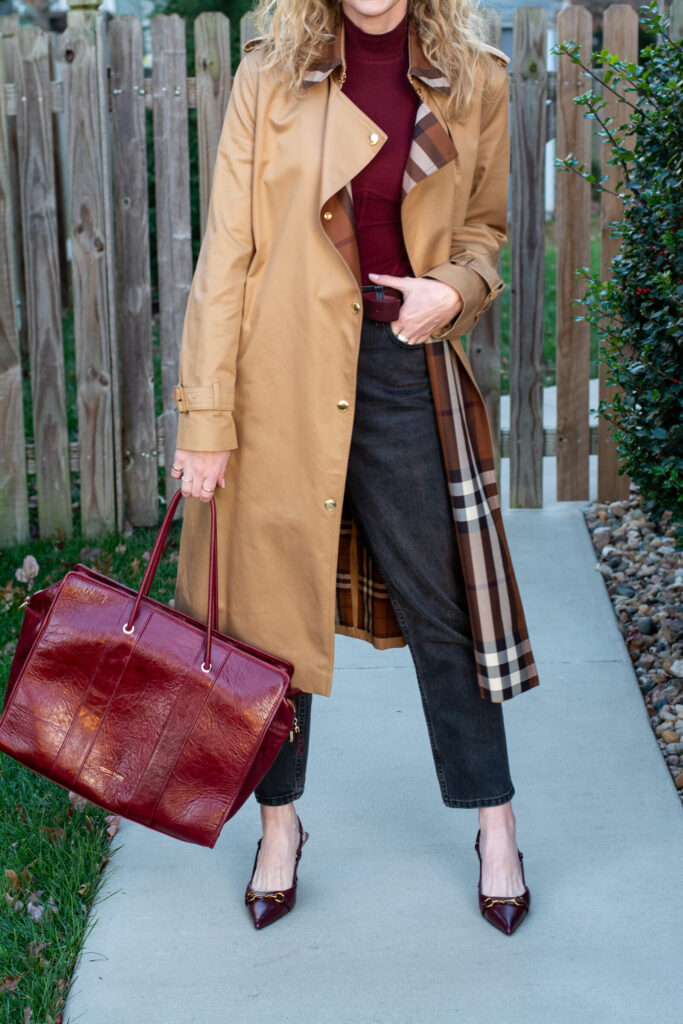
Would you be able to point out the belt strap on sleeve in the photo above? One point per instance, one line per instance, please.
(214, 397)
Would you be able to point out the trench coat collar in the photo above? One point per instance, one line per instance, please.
(432, 146)
(333, 56)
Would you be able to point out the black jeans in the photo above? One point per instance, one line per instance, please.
(399, 496)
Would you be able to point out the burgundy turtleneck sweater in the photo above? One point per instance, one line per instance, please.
(377, 82)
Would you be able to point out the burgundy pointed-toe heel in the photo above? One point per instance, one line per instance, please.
(267, 907)
(508, 912)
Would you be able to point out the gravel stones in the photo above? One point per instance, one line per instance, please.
(643, 574)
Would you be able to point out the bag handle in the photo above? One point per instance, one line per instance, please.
(153, 565)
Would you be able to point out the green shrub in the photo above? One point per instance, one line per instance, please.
(639, 310)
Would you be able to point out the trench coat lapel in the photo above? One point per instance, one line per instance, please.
(432, 147)
(504, 660)
(346, 143)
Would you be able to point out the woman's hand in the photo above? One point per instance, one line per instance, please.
(427, 305)
(199, 472)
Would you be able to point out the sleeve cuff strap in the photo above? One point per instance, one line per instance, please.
(217, 398)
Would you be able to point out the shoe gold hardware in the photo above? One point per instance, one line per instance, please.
(514, 901)
(279, 897)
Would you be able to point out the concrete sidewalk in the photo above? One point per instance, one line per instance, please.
(387, 928)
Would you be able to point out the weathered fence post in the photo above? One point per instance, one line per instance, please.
(133, 283)
(212, 70)
(620, 37)
(43, 296)
(172, 191)
(573, 209)
(527, 257)
(13, 485)
(89, 228)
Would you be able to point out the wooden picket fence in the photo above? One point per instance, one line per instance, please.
(88, 88)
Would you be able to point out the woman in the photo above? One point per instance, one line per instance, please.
(357, 210)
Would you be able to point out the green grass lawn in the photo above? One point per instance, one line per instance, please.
(52, 853)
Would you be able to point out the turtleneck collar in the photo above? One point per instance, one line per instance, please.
(380, 46)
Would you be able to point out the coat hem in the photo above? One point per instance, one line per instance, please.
(380, 643)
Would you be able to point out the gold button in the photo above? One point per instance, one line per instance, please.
(373, 138)
(327, 215)
(342, 404)
(355, 306)
(330, 504)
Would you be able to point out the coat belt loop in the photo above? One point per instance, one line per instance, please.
(216, 396)
(179, 397)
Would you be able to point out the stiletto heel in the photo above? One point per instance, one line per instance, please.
(267, 907)
(505, 913)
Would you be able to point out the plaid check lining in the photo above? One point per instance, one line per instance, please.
(431, 149)
(505, 663)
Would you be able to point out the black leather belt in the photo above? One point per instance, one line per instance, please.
(381, 303)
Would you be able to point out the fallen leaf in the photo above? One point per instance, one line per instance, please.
(83, 889)
(28, 570)
(120, 548)
(34, 949)
(9, 984)
(13, 879)
(34, 909)
(28, 1014)
(77, 801)
(55, 834)
(113, 820)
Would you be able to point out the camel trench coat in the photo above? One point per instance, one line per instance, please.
(269, 354)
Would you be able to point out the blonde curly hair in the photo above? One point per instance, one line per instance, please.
(294, 34)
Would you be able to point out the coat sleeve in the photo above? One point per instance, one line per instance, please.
(472, 267)
(205, 391)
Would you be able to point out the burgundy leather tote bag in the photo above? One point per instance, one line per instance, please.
(140, 708)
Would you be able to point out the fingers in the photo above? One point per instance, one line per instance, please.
(401, 284)
(418, 334)
(199, 472)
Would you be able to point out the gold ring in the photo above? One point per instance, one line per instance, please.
(177, 468)
(203, 488)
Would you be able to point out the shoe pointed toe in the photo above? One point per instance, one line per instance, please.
(267, 907)
(506, 915)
